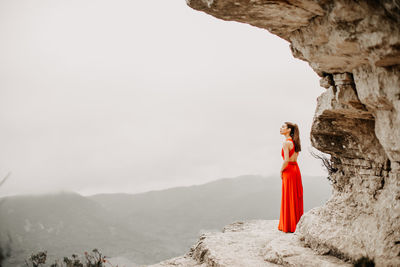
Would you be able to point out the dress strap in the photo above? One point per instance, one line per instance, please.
(292, 147)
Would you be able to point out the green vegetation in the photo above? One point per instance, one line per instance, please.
(91, 260)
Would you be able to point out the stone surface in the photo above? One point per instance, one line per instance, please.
(355, 47)
(326, 81)
(333, 36)
(255, 243)
(279, 17)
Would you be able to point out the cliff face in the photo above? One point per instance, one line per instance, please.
(354, 46)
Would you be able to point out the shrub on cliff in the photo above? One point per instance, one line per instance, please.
(326, 162)
(91, 260)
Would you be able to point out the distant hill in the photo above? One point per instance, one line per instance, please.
(145, 228)
(62, 224)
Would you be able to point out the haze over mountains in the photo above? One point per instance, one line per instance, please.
(141, 228)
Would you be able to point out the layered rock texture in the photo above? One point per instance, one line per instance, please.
(354, 46)
(254, 243)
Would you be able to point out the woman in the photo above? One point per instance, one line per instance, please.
(292, 188)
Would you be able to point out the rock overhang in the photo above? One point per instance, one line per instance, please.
(354, 46)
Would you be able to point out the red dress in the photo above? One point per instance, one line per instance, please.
(292, 196)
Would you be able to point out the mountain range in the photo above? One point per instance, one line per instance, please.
(141, 228)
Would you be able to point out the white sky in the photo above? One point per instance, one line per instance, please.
(131, 96)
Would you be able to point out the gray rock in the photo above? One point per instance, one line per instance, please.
(255, 243)
(357, 119)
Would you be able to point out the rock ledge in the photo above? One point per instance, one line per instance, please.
(253, 243)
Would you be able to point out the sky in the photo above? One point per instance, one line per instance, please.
(131, 96)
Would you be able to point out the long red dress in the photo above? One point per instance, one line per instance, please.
(292, 196)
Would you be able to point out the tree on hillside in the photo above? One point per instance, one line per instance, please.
(6, 251)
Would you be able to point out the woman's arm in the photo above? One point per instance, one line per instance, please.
(285, 156)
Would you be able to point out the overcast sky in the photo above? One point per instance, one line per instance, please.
(130, 96)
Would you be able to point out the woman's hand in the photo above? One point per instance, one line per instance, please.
(281, 175)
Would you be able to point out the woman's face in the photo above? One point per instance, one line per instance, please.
(284, 129)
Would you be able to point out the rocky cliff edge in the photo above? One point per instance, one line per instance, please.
(253, 243)
(354, 46)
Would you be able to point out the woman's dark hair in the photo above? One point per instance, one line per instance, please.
(294, 133)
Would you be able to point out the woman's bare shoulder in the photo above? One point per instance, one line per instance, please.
(286, 143)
